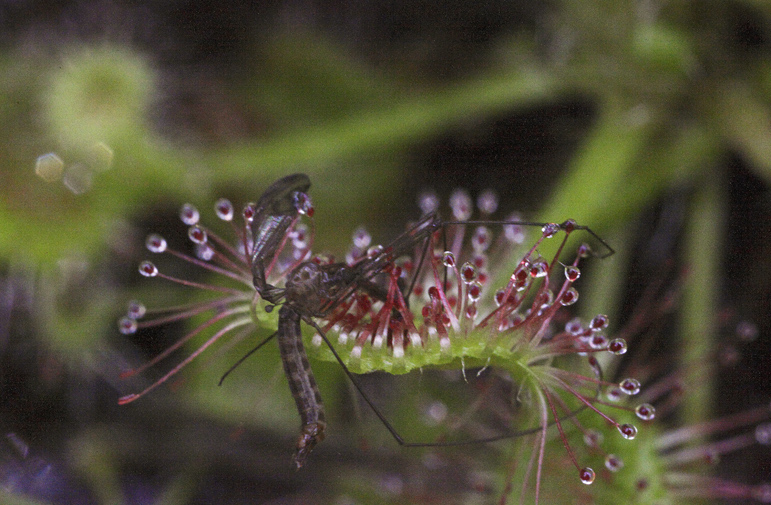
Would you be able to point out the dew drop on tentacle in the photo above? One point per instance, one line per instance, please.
(127, 325)
(614, 394)
(468, 273)
(299, 237)
(514, 233)
(617, 346)
(568, 226)
(574, 327)
(148, 269)
(628, 431)
(155, 243)
(448, 259)
(546, 297)
(474, 291)
(586, 475)
(539, 269)
(499, 296)
(487, 202)
(189, 215)
(550, 229)
(599, 322)
(249, 213)
(613, 463)
(521, 277)
(747, 331)
(197, 234)
(572, 273)
(428, 202)
(204, 251)
(569, 297)
(598, 341)
(593, 438)
(136, 310)
(374, 251)
(361, 238)
(645, 411)
(224, 209)
(302, 202)
(630, 386)
(763, 434)
(460, 203)
(482, 239)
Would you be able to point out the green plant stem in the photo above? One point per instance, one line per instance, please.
(703, 254)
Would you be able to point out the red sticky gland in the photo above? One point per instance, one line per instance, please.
(303, 204)
(224, 209)
(189, 214)
(439, 293)
(599, 322)
(244, 233)
(617, 346)
(197, 234)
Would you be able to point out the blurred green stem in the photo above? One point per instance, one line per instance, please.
(701, 292)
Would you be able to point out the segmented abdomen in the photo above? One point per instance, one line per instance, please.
(301, 383)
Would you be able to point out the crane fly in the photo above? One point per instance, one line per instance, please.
(314, 290)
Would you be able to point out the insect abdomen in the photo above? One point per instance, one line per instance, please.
(301, 383)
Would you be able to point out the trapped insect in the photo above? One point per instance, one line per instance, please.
(368, 302)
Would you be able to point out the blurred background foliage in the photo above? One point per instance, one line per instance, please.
(648, 120)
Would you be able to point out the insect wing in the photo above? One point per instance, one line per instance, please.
(275, 212)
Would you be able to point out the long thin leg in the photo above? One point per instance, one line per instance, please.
(243, 358)
(563, 226)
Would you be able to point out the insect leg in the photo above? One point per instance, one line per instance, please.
(243, 358)
(566, 226)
